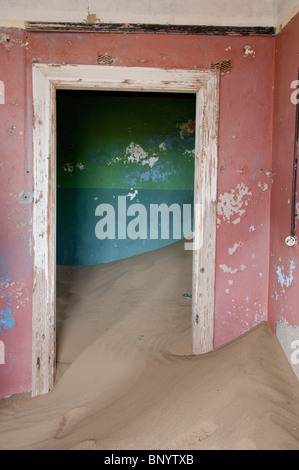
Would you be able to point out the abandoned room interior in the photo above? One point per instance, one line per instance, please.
(148, 250)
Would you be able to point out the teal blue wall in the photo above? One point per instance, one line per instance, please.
(136, 145)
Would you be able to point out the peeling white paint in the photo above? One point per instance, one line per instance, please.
(264, 187)
(150, 161)
(132, 195)
(189, 153)
(135, 153)
(248, 51)
(251, 228)
(248, 315)
(7, 288)
(227, 269)
(68, 167)
(9, 41)
(232, 205)
(233, 249)
(114, 160)
(80, 166)
(285, 279)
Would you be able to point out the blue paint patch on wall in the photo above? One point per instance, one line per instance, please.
(6, 319)
(25, 197)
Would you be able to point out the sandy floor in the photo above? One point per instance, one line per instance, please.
(126, 378)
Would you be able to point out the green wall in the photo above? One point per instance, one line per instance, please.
(136, 145)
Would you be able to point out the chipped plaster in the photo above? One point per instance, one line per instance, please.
(231, 206)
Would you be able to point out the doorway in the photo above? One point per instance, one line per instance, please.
(48, 79)
(125, 192)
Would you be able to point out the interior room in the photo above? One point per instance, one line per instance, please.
(148, 248)
(138, 152)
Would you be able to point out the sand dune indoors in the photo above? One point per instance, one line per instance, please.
(126, 378)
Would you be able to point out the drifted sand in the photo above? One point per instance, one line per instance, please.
(126, 378)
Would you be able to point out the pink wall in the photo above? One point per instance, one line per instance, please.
(15, 220)
(244, 169)
(284, 261)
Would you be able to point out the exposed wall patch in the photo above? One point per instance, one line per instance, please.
(231, 206)
(186, 128)
(224, 66)
(105, 59)
(92, 18)
(8, 41)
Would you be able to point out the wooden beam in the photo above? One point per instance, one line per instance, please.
(151, 28)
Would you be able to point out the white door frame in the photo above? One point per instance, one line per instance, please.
(45, 80)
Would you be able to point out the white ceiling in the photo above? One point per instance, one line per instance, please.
(188, 12)
(286, 10)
